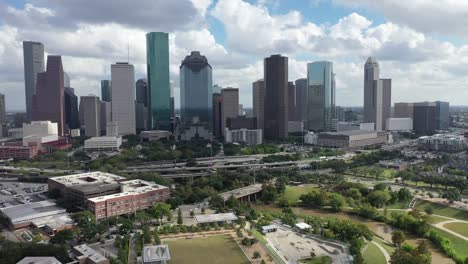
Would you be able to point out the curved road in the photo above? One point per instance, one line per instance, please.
(452, 220)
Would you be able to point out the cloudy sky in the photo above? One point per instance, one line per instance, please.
(420, 44)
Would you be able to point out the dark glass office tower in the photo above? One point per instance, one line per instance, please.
(291, 101)
(33, 53)
(106, 90)
(276, 97)
(321, 95)
(157, 57)
(142, 92)
(196, 96)
(71, 109)
(48, 102)
(301, 99)
(217, 115)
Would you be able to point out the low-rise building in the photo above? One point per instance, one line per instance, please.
(215, 218)
(39, 260)
(135, 195)
(154, 135)
(250, 137)
(399, 124)
(442, 143)
(39, 132)
(352, 139)
(349, 126)
(105, 143)
(86, 255)
(156, 254)
(16, 151)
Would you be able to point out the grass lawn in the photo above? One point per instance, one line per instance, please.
(272, 252)
(388, 247)
(442, 210)
(317, 260)
(460, 228)
(459, 245)
(213, 249)
(293, 193)
(372, 254)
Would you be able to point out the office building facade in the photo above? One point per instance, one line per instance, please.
(321, 95)
(429, 117)
(301, 99)
(106, 90)
(258, 97)
(33, 55)
(276, 97)
(217, 115)
(377, 95)
(48, 101)
(2, 109)
(230, 104)
(157, 58)
(142, 91)
(123, 97)
(292, 116)
(91, 115)
(71, 109)
(196, 96)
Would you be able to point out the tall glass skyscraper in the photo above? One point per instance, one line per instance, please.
(33, 53)
(106, 90)
(157, 57)
(196, 89)
(320, 96)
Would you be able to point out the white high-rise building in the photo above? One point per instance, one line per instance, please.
(91, 115)
(377, 95)
(123, 97)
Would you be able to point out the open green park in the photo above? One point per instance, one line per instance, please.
(458, 227)
(459, 245)
(292, 193)
(220, 249)
(442, 210)
(372, 254)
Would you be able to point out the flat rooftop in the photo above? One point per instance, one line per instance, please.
(103, 138)
(88, 178)
(131, 187)
(29, 211)
(39, 260)
(349, 133)
(90, 253)
(54, 221)
(210, 218)
(156, 253)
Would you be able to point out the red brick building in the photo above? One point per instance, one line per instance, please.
(18, 151)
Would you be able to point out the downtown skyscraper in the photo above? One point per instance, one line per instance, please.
(196, 89)
(33, 54)
(258, 103)
(320, 95)
(157, 58)
(301, 99)
(106, 90)
(377, 95)
(123, 97)
(276, 97)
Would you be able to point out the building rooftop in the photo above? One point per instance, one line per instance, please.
(54, 221)
(39, 260)
(90, 253)
(103, 138)
(88, 179)
(303, 226)
(210, 218)
(28, 211)
(131, 187)
(156, 253)
(349, 133)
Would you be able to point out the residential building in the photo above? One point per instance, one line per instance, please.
(33, 54)
(155, 135)
(292, 116)
(48, 101)
(399, 124)
(91, 115)
(352, 139)
(258, 104)
(71, 109)
(276, 98)
(230, 104)
(159, 102)
(377, 95)
(106, 90)
(196, 96)
(106, 116)
(301, 99)
(348, 126)
(241, 122)
(123, 97)
(104, 143)
(218, 115)
(442, 143)
(134, 195)
(321, 95)
(250, 137)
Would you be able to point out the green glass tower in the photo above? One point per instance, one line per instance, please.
(157, 57)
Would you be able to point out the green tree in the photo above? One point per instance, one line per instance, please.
(146, 235)
(160, 210)
(398, 237)
(256, 255)
(378, 198)
(61, 237)
(337, 202)
(156, 238)
(192, 213)
(180, 219)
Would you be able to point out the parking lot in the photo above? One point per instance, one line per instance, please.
(14, 193)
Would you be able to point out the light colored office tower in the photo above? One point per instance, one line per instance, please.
(112, 129)
(33, 53)
(196, 96)
(258, 97)
(91, 115)
(230, 104)
(123, 97)
(321, 95)
(377, 95)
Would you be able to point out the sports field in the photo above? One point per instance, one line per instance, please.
(292, 193)
(214, 249)
(443, 210)
(460, 228)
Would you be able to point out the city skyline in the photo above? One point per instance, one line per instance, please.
(408, 50)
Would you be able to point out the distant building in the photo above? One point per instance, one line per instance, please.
(71, 109)
(16, 132)
(301, 99)
(112, 129)
(48, 101)
(91, 115)
(377, 95)
(33, 54)
(196, 89)
(443, 143)
(403, 110)
(86, 255)
(218, 127)
(106, 116)
(352, 139)
(17, 151)
(155, 135)
(2, 108)
(339, 114)
(258, 97)
(347, 126)
(276, 98)
(230, 104)
(250, 137)
(241, 122)
(104, 143)
(321, 95)
(399, 124)
(196, 130)
(158, 254)
(106, 90)
(140, 116)
(429, 117)
(295, 126)
(123, 97)
(310, 138)
(142, 91)
(292, 116)
(39, 132)
(159, 90)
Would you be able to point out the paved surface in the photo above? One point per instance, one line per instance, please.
(441, 226)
